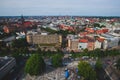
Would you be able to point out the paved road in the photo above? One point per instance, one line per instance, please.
(108, 67)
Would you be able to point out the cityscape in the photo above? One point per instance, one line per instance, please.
(59, 40)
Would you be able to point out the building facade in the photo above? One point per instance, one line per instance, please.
(48, 41)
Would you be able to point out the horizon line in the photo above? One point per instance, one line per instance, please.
(61, 15)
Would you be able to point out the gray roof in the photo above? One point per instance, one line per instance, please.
(3, 61)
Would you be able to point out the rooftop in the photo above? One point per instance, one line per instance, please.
(4, 60)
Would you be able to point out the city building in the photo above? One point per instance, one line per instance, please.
(8, 40)
(110, 41)
(82, 44)
(8, 29)
(45, 41)
(73, 45)
(99, 43)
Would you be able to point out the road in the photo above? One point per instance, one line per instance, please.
(109, 68)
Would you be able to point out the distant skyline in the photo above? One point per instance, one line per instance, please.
(60, 7)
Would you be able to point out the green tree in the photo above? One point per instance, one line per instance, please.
(96, 25)
(57, 60)
(17, 57)
(98, 65)
(102, 26)
(2, 44)
(85, 70)
(24, 50)
(39, 50)
(96, 53)
(35, 65)
(85, 50)
(19, 43)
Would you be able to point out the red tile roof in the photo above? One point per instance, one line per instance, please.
(27, 23)
(90, 30)
(83, 40)
(105, 30)
(99, 31)
(100, 39)
(83, 33)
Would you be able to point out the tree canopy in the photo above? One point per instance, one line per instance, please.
(35, 65)
(98, 64)
(96, 53)
(57, 60)
(96, 25)
(19, 43)
(85, 70)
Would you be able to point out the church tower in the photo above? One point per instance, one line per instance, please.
(22, 19)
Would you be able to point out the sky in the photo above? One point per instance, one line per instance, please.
(60, 7)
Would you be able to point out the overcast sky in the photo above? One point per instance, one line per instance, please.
(60, 7)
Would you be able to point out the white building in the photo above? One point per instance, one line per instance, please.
(97, 44)
(82, 45)
(110, 41)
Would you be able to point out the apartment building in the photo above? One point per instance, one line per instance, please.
(44, 40)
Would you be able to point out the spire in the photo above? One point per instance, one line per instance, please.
(22, 19)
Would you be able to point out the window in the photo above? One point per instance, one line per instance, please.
(80, 46)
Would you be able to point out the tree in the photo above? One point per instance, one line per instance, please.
(39, 50)
(96, 25)
(17, 57)
(85, 70)
(102, 26)
(85, 50)
(23, 50)
(35, 65)
(2, 44)
(98, 65)
(57, 60)
(118, 64)
(19, 43)
(95, 53)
